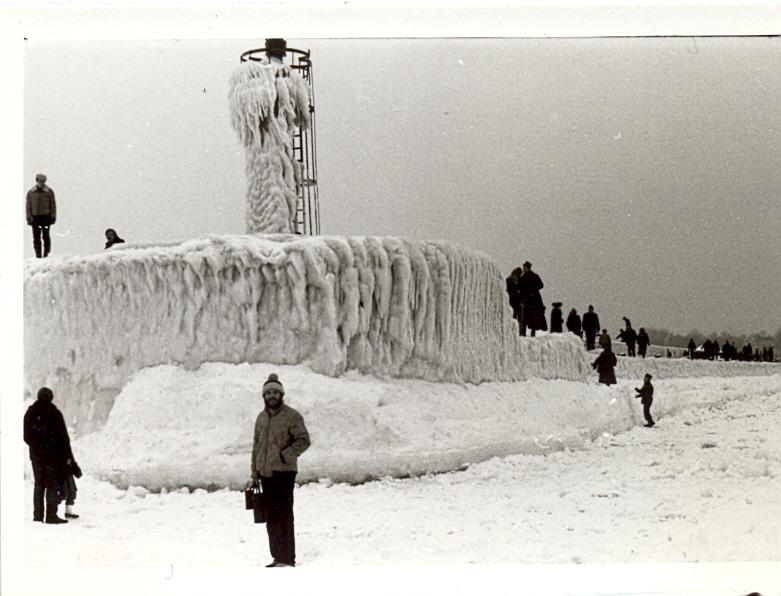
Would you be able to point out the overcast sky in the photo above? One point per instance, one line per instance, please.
(642, 175)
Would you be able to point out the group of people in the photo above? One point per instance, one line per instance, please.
(712, 351)
(589, 325)
(279, 438)
(41, 214)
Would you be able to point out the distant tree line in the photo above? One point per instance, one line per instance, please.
(664, 337)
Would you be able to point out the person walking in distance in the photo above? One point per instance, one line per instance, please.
(41, 212)
(643, 341)
(590, 327)
(556, 318)
(50, 454)
(604, 339)
(629, 337)
(280, 437)
(691, 347)
(646, 395)
(573, 323)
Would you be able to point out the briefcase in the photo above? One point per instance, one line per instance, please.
(254, 500)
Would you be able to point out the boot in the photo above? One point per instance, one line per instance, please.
(69, 512)
(53, 519)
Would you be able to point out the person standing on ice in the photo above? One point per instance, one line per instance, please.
(556, 318)
(573, 323)
(629, 337)
(643, 341)
(646, 395)
(279, 439)
(590, 327)
(41, 212)
(605, 365)
(50, 454)
(532, 309)
(604, 340)
(692, 346)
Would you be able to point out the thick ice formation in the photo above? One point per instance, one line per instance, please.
(380, 305)
(268, 102)
(171, 427)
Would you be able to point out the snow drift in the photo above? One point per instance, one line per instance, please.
(268, 102)
(380, 305)
(171, 427)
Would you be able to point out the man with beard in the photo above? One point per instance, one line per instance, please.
(280, 437)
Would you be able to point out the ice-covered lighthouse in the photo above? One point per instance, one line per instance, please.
(388, 306)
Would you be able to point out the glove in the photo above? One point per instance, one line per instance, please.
(250, 483)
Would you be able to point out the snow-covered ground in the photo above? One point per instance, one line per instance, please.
(701, 486)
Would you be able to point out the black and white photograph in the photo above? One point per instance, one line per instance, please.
(367, 303)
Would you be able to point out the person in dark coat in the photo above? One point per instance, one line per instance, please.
(41, 213)
(531, 310)
(629, 337)
(605, 365)
(590, 327)
(50, 453)
(691, 347)
(556, 318)
(280, 437)
(112, 238)
(643, 341)
(514, 297)
(573, 323)
(646, 395)
(604, 340)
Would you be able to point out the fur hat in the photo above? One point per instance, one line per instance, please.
(273, 383)
(648, 376)
(40, 177)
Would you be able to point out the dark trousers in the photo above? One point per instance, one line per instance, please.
(630, 349)
(278, 491)
(647, 414)
(47, 481)
(40, 228)
(590, 340)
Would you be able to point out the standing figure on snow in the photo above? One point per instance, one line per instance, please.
(629, 337)
(590, 327)
(41, 210)
(50, 454)
(605, 365)
(573, 323)
(112, 238)
(279, 439)
(556, 318)
(532, 309)
(691, 347)
(643, 341)
(604, 340)
(646, 393)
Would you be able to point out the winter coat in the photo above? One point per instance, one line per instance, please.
(646, 393)
(604, 340)
(590, 323)
(279, 439)
(529, 286)
(513, 291)
(605, 365)
(573, 323)
(628, 336)
(643, 341)
(556, 320)
(46, 434)
(40, 201)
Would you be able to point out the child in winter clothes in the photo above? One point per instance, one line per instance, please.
(646, 393)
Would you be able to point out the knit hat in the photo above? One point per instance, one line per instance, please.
(40, 177)
(273, 383)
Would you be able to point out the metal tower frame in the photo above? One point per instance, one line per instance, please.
(307, 219)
